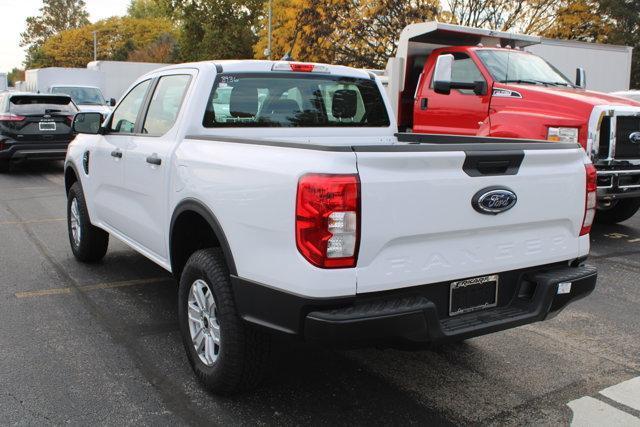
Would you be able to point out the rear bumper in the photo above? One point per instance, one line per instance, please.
(35, 150)
(412, 315)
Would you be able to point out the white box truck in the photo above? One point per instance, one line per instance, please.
(4, 84)
(118, 75)
(83, 85)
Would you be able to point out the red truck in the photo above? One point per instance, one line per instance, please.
(448, 79)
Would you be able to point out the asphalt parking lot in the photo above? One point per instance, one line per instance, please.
(100, 344)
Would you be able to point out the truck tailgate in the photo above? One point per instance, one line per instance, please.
(419, 225)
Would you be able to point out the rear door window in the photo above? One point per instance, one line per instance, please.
(294, 100)
(30, 105)
(165, 104)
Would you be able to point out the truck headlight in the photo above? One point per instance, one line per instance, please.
(562, 134)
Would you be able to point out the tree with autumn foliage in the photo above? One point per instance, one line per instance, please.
(117, 39)
(55, 16)
(360, 33)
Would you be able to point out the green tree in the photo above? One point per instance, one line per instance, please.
(216, 29)
(55, 16)
(15, 75)
(142, 9)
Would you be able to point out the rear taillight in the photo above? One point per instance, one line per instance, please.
(328, 219)
(11, 118)
(590, 200)
(69, 120)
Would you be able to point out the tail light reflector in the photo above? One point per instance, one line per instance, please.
(299, 67)
(590, 200)
(328, 219)
(11, 118)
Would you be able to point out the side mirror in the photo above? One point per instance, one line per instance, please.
(442, 74)
(87, 123)
(112, 102)
(581, 77)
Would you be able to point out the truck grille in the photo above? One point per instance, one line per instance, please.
(605, 137)
(625, 126)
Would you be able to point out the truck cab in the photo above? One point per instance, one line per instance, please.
(492, 87)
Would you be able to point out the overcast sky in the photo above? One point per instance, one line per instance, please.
(12, 20)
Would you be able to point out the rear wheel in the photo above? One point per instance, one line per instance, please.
(4, 166)
(227, 354)
(618, 211)
(88, 242)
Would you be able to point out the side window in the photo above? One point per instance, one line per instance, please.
(464, 70)
(165, 104)
(124, 117)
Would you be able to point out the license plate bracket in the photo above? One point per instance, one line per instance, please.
(47, 126)
(478, 293)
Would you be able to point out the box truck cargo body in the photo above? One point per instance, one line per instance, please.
(119, 75)
(42, 79)
(608, 67)
(4, 85)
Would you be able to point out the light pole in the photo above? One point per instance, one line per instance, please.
(95, 45)
(269, 41)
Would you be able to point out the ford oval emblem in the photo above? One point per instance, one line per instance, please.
(635, 138)
(494, 200)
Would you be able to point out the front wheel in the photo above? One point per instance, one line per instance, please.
(618, 211)
(226, 354)
(88, 242)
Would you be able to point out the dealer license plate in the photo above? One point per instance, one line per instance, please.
(47, 126)
(473, 294)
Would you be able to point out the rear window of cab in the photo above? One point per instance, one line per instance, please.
(294, 100)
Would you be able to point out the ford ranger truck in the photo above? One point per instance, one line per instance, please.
(283, 203)
(497, 89)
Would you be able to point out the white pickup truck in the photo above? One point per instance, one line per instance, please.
(282, 200)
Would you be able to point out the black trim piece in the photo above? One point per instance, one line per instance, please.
(276, 309)
(520, 144)
(142, 113)
(417, 315)
(202, 210)
(495, 145)
(218, 68)
(493, 163)
(270, 143)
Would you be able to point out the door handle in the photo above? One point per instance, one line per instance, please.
(423, 103)
(117, 154)
(154, 160)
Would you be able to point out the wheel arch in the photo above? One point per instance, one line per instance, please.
(180, 249)
(71, 176)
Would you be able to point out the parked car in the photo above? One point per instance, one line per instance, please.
(631, 94)
(296, 210)
(491, 87)
(34, 126)
(87, 98)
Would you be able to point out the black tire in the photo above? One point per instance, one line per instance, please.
(4, 166)
(243, 352)
(93, 241)
(622, 210)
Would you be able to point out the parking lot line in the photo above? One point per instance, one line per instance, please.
(85, 288)
(627, 393)
(588, 412)
(32, 221)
